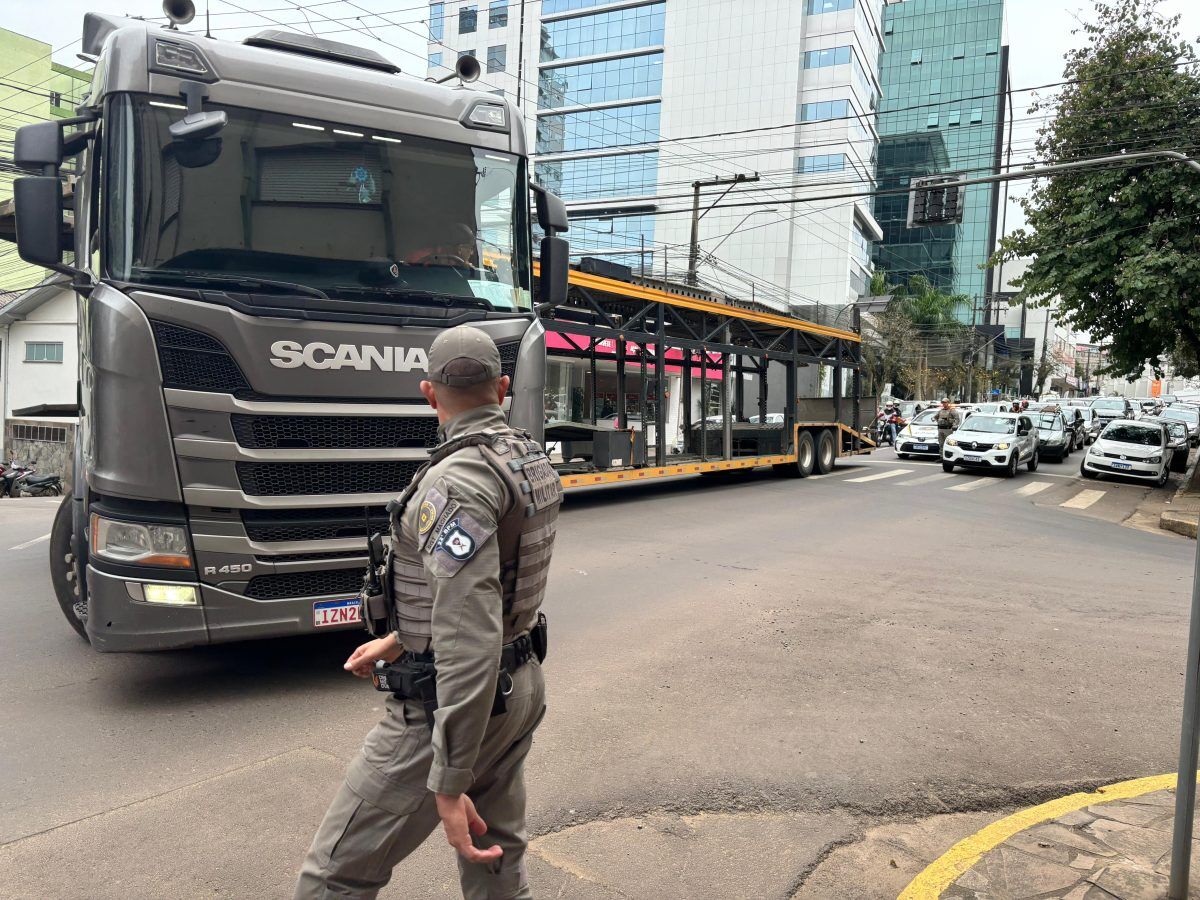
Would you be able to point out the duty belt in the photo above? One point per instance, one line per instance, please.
(414, 675)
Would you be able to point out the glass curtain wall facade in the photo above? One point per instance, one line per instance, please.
(599, 101)
(944, 75)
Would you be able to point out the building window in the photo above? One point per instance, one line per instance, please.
(435, 60)
(47, 434)
(462, 53)
(952, 118)
(43, 351)
(824, 110)
(604, 32)
(600, 82)
(816, 7)
(595, 129)
(915, 58)
(829, 162)
(437, 21)
(977, 115)
(834, 56)
(960, 51)
(935, 87)
(55, 99)
(496, 58)
(626, 175)
(498, 13)
(468, 19)
(932, 121)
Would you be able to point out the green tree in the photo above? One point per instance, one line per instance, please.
(1120, 245)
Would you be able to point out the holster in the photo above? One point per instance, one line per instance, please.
(414, 676)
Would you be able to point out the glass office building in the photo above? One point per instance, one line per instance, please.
(944, 73)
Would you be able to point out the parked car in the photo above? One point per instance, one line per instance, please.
(1092, 423)
(1074, 416)
(999, 442)
(1180, 441)
(919, 437)
(1128, 447)
(989, 408)
(1189, 416)
(1111, 408)
(1055, 439)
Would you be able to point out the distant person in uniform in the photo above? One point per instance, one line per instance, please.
(947, 420)
(471, 542)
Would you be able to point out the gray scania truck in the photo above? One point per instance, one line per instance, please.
(267, 236)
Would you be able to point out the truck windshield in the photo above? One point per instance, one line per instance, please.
(356, 213)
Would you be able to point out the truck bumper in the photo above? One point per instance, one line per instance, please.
(117, 622)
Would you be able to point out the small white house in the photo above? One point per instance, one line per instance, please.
(39, 370)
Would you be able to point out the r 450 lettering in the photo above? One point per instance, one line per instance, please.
(235, 569)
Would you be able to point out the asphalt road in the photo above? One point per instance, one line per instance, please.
(790, 656)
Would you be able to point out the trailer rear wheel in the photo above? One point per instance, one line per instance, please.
(826, 454)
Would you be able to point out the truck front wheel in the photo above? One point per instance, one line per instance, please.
(66, 573)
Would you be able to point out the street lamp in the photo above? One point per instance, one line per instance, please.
(711, 253)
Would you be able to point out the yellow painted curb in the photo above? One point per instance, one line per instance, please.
(947, 868)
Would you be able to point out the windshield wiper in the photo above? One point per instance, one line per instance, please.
(446, 300)
(249, 282)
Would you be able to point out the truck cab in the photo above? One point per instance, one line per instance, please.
(267, 236)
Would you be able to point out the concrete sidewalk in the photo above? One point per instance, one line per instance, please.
(1120, 850)
(1184, 509)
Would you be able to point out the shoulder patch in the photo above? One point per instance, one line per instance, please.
(456, 542)
(434, 508)
(426, 516)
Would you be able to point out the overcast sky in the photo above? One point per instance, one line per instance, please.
(1038, 33)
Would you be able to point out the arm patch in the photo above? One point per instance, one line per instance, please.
(454, 544)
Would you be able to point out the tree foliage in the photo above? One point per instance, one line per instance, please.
(1120, 245)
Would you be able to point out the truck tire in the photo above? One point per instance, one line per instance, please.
(805, 458)
(66, 574)
(826, 452)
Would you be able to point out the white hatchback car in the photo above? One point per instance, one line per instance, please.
(1126, 447)
(1000, 442)
(919, 437)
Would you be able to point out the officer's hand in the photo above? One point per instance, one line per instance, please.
(460, 821)
(363, 659)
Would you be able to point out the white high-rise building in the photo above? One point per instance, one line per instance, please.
(628, 103)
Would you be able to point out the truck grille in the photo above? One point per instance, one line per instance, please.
(268, 525)
(315, 557)
(305, 584)
(508, 357)
(293, 479)
(324, 432)
(193, 361)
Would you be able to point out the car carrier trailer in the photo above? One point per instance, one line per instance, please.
(766, 371)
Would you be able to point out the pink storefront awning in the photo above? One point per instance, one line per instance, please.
(608, 348)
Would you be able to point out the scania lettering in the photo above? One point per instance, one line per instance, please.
(267, 236)
(319, 355)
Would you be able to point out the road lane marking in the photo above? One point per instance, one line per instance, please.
(972, 484)
(925, 479)
(870, 461)
(879, 475)
(1083, 499)
(36, 540)
(940, 874)
(1034, 487)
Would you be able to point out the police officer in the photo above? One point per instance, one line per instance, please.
(471, 543)
(947, 420)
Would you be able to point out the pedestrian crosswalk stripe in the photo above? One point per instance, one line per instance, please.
(878, 475)
(925, 479)
(972, 484)
(1034, 487)
(1083, 499)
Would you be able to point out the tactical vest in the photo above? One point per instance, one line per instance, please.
(524, 532)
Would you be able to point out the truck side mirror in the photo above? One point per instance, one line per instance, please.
(37, 201)
(39, 146)
(551, 211)
(555, 267)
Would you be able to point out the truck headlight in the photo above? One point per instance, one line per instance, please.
(170, 594)
(140, 543)
(953, 442)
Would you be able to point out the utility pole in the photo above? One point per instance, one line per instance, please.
(1042, 364)
(694, 246)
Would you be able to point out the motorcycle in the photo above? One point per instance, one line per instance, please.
(17, 479)
(883, 429)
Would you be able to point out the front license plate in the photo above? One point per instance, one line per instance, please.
(336, 612)
(920, 446)
(1117, 465)
(969, 458)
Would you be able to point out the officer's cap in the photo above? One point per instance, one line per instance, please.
(463, 356)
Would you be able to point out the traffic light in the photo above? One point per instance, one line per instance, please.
(935, 201)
